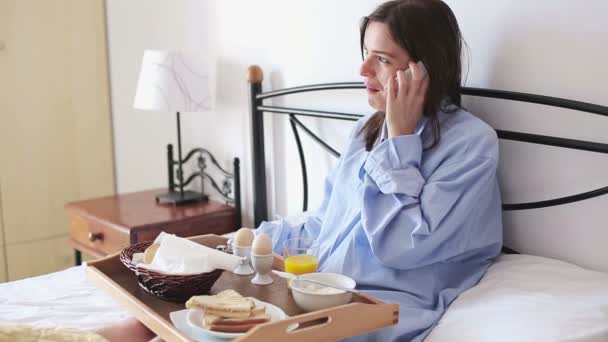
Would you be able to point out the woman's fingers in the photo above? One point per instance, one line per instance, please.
(418, 78)
(416, 72)
(388, 94)
(424, 86)
(389, 89)
(402, 83)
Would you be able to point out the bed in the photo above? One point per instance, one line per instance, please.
(522, 297)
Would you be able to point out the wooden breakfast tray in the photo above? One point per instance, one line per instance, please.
(363, 315)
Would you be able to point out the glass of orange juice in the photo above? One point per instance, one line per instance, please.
(300, 255)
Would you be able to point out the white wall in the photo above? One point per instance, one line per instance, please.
(555, 48)
(140, 137)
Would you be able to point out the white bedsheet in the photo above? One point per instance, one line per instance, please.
(64, 299)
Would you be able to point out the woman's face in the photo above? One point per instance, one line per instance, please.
(383, 57)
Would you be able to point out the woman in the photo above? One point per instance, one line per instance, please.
(412, 211)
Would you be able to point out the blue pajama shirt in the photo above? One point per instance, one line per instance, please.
(412, 226)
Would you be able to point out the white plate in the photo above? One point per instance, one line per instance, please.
(180, 320)
(194, 319)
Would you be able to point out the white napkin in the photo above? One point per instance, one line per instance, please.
(181, 256)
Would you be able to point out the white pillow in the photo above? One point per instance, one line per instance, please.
(529, 298)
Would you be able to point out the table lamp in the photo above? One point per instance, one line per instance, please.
(173, 81)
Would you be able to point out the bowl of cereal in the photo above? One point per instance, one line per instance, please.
(312, 296)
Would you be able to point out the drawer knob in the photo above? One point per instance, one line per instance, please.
(95, 236)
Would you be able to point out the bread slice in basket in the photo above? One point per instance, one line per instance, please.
(228, 311)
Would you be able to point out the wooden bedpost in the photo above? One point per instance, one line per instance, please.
(255, 76)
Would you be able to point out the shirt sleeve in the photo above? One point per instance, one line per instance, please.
(411, 221)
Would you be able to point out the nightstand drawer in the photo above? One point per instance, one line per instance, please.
(97, 236)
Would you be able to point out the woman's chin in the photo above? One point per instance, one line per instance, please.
(376, 103)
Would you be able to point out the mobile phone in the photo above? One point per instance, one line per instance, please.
(408, 72)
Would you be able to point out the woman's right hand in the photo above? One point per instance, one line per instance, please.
(405, 100)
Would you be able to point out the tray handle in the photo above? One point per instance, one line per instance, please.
(329, 324)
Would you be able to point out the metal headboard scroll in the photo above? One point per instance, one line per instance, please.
(229, 189)
(255, 77)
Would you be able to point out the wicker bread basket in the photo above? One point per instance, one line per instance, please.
(174, 288)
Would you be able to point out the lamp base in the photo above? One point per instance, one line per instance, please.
(177, 199)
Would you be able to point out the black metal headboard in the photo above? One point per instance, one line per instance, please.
(255, 77)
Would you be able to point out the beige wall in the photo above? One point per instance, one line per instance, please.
(50, 255)
(1, 221)
(2, 265)
(2, 251)
(55, 127)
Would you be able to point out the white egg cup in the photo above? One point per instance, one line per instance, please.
(263, 265)
(244, 268)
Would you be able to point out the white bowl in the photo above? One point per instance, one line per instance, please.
(311, 297)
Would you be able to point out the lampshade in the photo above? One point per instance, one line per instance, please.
(173, 81)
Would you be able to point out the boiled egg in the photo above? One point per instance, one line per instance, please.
(243, 237)
(262, 245)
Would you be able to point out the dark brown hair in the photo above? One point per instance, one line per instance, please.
(429, 32)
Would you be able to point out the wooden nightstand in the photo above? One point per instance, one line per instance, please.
(105, 225)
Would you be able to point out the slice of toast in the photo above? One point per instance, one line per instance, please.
(257, 309)
(257, 313)
(241, 328)
(227, 303)
(236, 325)
(209, 320)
